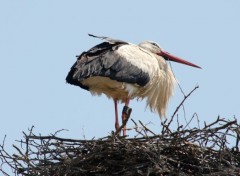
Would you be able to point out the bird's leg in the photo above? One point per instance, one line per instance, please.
(125, 114)
(116, 114)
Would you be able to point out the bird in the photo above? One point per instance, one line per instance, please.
(124, 71)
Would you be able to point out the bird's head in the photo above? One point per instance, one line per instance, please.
(156, 49)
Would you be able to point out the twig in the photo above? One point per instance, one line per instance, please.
(185, 97)
(147, 129)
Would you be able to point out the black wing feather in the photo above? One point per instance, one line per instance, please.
(95, 63)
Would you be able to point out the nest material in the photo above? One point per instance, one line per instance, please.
(182, 151)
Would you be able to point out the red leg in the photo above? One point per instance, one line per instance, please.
(127, 102)
(124, 116)
(116, 115)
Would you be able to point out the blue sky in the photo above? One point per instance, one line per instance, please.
(40, 39)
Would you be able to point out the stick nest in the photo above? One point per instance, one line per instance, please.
(182, 151)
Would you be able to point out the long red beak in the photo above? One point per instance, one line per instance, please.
(176, 59)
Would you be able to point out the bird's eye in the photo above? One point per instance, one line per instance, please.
(154, 44)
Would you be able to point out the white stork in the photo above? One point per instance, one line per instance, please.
(124, 71)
